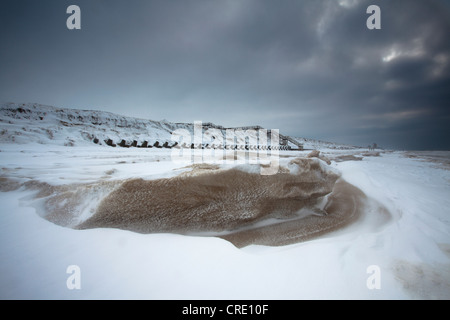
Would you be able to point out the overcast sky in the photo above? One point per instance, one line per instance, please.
(310, 68)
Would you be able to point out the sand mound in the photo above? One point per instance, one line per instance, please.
(215, 200)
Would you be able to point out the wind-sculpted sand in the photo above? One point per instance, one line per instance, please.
(213, 200)
(303, 200)
(344, 206)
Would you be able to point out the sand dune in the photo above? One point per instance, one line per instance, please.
(213, 200)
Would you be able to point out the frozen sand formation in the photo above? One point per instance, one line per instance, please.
(304, 200)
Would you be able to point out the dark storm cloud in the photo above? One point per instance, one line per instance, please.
(310, 68)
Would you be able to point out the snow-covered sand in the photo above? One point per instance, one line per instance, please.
(411, 250)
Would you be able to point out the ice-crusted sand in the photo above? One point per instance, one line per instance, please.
(215, 199)
(345, 205)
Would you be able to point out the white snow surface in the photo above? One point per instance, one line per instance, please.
(412, 250)
(35, 123)
(47, 125)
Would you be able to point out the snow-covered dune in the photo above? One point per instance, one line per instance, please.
(35, 123)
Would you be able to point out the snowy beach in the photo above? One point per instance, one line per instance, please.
(225, 150)
(411, 249)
